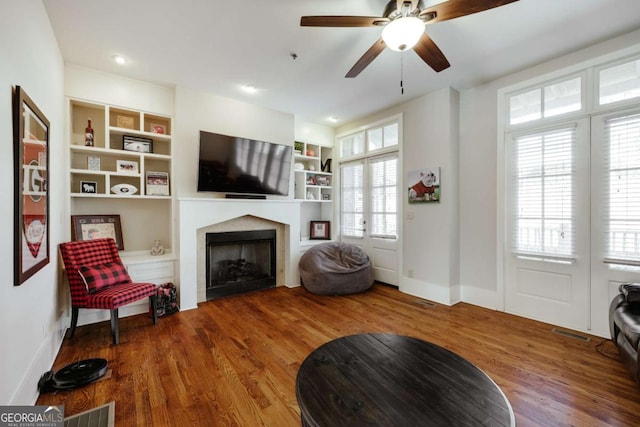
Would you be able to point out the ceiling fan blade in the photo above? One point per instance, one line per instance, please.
(431, 54)
(342, 21)
(366, 59)
(456, 8)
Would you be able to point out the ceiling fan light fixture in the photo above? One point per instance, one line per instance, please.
(403, 33)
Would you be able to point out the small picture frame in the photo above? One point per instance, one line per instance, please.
(125, 122)
(126, 167)
(157, 128)
(323, 180)
(88, 187)
(320, 230)
(93, 163)
(326, 196)
(88, 227)
(137, 144)
(157, 183)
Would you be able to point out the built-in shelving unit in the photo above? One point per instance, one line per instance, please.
(312, 169)
(100, 170)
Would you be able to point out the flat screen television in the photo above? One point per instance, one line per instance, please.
(230, 164)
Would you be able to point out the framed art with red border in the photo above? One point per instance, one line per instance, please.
(31, 191)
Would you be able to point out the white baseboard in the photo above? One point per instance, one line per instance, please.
(430, 291)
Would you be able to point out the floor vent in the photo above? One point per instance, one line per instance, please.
(101, 416)
(425, 302)
(571, 335)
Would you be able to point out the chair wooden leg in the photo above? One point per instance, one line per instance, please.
(115, 328)
(74, 321)
(153, 301)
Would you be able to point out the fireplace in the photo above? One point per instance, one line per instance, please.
(240, 261)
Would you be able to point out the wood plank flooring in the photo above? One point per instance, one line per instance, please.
(233, 361)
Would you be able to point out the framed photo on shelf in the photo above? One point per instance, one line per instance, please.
(126, 122)
(157, 128)
(157, 183)
(126, 166)
(326, 196)
(323, 180)
(88, 187)
(31, 189)
(320, 230)
(93, 163)
(89, 227)
(137, 144)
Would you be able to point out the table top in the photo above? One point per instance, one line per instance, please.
(395, 380)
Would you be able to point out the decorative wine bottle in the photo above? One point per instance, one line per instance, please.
(88, 135)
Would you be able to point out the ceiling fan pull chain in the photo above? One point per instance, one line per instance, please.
(401, 73)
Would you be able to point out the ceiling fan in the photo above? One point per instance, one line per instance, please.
(404, 24)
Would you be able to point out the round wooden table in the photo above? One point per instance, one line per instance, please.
(395, 380)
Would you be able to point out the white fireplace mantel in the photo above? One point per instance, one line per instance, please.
(195, 214)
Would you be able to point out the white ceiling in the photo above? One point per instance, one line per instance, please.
(219, 46)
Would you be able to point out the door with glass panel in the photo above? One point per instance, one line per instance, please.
(369, 199)
(547, 227)
(615, 189)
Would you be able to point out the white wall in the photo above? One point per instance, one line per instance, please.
(30, 318)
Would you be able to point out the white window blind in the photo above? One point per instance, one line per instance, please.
(622, 181)
(543, 200)
(352, 199)
(384, 198)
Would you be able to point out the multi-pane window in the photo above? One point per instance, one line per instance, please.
(352, 145)
(544, 198)
(622, 181)
(383, 176)
(352, 199)
(619, 83)
(548, 101)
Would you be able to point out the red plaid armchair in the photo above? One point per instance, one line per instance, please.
(98, 279)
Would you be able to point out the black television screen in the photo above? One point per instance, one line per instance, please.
(231, 164)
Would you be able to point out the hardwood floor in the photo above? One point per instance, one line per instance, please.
(233, 361)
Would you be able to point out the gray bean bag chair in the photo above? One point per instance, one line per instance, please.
(335, 268)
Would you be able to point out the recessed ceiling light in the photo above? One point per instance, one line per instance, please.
(334, 119)
(250, 88)
(119, 59)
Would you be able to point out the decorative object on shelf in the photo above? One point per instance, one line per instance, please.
(311, 153)
(157, 248)
(125, 189)
(323, 180)
(93, 163)
(157, 183)
(126, 122)
(298, 146)
(312, 168)
(310, 195)
(159, 129)
(137, 144)
(31, 192)
(89, 227)
(311, 180)
(88, 134)
(320, 230)
(326, 166)
(299, 166)
(326, 196)
(126, 166)
(88, 187)
(424, 185)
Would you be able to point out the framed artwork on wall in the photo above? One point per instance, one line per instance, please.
(88, 227)
(320, 230)
(424, 185)
(31, 192)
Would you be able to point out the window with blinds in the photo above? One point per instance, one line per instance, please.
(622, 179)
(352, 199)
(384, 197)
(543, 202)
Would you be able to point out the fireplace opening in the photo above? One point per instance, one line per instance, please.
(240, 261)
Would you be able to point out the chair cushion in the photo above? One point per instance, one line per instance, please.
(98, 277)
(631, 292)
(116, 296)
